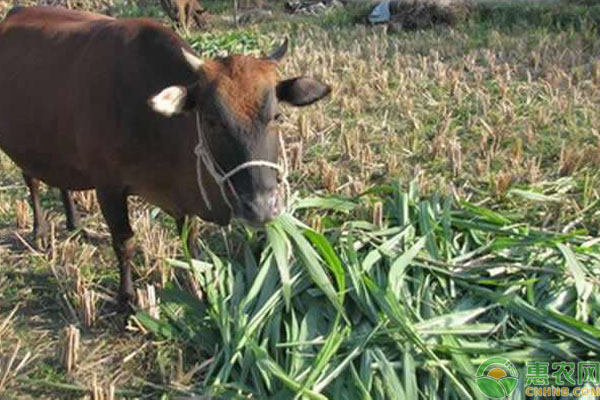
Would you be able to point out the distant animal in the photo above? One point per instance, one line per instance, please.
(125, 107)
(185, 12)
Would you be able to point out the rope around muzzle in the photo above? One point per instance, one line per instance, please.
(223, 179)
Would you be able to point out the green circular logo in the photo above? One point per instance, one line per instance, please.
(497, 378)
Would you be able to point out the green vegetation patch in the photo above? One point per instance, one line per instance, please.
(405, 302)
(224, 43)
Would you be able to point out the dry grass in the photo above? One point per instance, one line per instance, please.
(480, 112)
(473, 111)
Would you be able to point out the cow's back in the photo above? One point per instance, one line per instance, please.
(72, 86)
(42, 51)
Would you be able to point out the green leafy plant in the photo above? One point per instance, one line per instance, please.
(404, 310)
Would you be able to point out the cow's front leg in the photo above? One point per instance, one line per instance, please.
(40, 226)
(113, 203)
(70, 211)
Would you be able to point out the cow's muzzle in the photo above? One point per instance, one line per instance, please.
(260, 209)
(257, 210)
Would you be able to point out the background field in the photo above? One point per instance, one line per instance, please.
(501, 111)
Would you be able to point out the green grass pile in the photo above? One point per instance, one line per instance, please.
(402, 303)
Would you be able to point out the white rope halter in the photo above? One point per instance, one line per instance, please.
(204, 155)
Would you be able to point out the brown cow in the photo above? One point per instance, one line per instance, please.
(120, 106)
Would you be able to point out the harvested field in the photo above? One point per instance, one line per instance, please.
(463, 164)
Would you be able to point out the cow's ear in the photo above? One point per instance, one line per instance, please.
(301, 91)
(173, 100)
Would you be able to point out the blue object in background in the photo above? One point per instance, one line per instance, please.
(381, 13)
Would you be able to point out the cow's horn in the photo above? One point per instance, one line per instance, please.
(279, 53)
(195, 62)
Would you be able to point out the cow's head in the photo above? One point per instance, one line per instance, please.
(237, 99)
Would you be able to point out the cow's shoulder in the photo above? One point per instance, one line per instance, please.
(149, 36)
(146, 42)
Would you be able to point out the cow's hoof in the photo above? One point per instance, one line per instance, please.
(40, 243)
(125, 304)
(41, 237)
(72, 227)
(72, 223)
(194, 251)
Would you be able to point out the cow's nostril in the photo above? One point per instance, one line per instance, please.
(273, 202)
(262, 208)
(275, 206)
